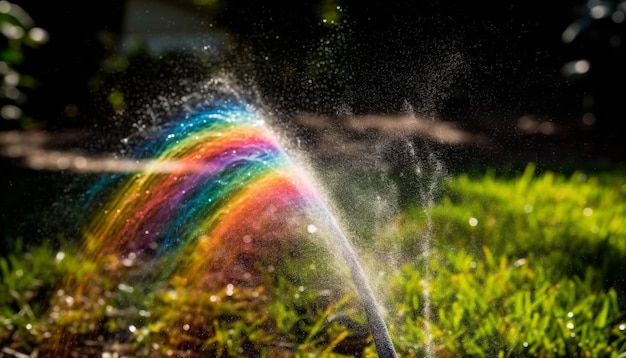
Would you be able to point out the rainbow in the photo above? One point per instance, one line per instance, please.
(228, 191)
(216, 198)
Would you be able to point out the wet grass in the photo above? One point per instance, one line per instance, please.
(523, 265)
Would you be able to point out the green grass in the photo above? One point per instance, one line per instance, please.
(522, 266)
(28, 278)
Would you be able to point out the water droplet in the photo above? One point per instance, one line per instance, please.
(570, 314)
(473, 221)
(569, 325)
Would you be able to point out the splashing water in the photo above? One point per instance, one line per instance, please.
(217, 195)
(429, 172)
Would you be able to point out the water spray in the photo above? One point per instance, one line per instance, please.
(201, 184)
(380, 334)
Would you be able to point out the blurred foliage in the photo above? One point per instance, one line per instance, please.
(18, 31)
(594, 52)
(596, 25)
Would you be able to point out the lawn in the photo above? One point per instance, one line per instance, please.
(503, 264)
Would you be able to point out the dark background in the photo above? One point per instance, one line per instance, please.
(478, 62)
(481, 64)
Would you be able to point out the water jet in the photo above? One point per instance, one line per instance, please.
(211, 196)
